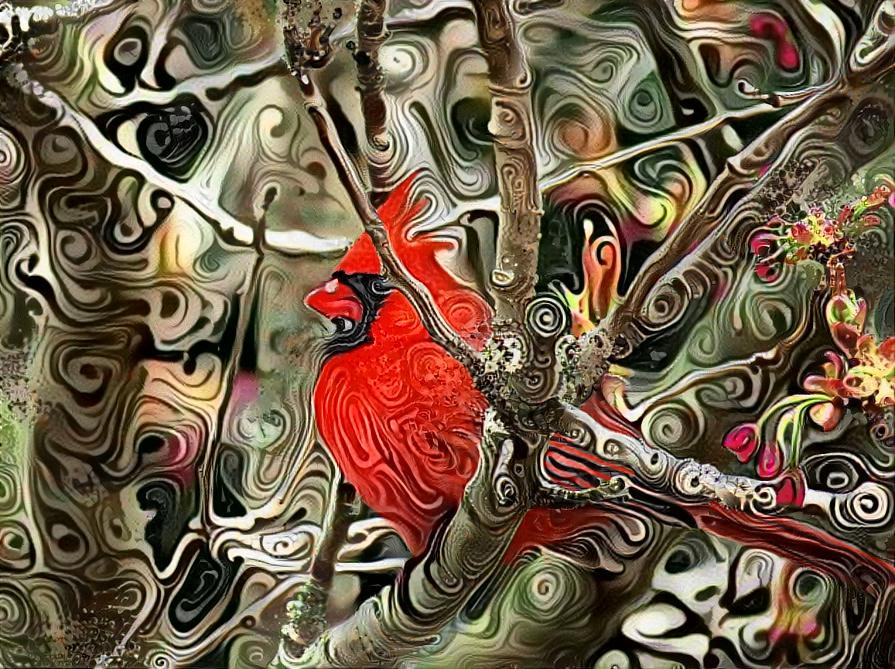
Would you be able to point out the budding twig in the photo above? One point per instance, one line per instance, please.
(687, 481)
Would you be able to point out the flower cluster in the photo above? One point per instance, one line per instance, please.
(862, 370)
(817, 237)
(861, 373)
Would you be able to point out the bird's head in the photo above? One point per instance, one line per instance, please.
(338, 297)
(352, 298)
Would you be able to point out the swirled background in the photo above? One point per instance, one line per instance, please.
(161, 488)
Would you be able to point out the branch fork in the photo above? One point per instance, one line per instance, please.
(532, 372)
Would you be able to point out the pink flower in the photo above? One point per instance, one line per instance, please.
(770, 460)
(742, 440)
(868, 371)
(763, 243)
(801, 233)
(826, 415)
(830, 383)
(846, 316)
(791, 489)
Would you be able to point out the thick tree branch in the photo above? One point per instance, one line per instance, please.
(431, 591)
(743, 500)
(512, 129)
(370, 36)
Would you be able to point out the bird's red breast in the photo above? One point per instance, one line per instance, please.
(401, 417)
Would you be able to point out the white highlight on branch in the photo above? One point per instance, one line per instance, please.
(291, 242)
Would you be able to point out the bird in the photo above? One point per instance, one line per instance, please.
(400, 416)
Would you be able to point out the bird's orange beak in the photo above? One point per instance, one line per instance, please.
(335, 299)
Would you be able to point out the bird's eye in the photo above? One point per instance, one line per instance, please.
(381, 286)
(752, 603)
(344, 325)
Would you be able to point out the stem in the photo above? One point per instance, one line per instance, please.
(511, 126)
(788, 402)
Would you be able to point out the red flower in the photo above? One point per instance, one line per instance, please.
(801, 233)
(742, 440)
(763, 243)
(770, 460)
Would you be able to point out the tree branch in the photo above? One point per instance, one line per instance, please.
(393, 269)
(370, 36)
(515, 274)
(740, 172)
(431, 591)
(307, 610)
(686, 481)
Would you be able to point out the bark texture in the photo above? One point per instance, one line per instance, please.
(512, 129)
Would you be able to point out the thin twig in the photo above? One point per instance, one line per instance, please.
(300, 57)
(296, 242)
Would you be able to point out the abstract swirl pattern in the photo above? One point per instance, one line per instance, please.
(166, 205)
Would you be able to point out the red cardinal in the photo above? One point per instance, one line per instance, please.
(400, 416)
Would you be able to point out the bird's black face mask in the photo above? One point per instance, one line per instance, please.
(351, 302)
